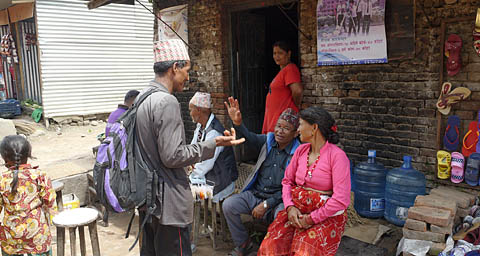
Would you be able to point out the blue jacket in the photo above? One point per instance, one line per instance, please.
(265, 142)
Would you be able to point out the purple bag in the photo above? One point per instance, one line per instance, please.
(123, 179)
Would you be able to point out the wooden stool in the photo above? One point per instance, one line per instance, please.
(58, 187)
(213, 231)
(73, 219)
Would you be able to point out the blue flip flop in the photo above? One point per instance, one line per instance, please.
(472, 169)
(452, 134)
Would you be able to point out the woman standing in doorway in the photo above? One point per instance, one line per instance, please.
(286, 89)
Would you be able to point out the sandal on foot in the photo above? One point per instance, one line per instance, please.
(243, 250)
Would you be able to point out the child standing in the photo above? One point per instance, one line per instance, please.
(27, 195)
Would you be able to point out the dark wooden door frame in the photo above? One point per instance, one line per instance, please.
(226, 11)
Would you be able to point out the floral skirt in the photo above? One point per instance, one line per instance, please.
(320, 239)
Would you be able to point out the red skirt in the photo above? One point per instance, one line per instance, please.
(320, 239)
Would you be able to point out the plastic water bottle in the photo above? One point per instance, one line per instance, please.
(369, 178)
(403, 185)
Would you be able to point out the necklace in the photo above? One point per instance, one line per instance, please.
(309, 171)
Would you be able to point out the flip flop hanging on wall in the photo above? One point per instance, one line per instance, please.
(449, 97)
(453, 48)
(476, 34)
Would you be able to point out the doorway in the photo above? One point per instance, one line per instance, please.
(253, 32)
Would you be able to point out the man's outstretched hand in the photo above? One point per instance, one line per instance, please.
(229, 139)
(234, 111)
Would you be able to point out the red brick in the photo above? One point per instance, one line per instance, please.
(430, 215)
(415, 225)
(437, 202)
(436, 248)
(462, 212)
(464, 200)
(428, 236)
(442, 230)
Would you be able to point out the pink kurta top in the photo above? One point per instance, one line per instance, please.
(332, 173)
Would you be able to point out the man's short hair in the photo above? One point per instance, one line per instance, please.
(160, 68)
(131, 95)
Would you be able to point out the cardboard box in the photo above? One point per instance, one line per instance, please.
(70, 201)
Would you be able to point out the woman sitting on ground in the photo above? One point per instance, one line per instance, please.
(316, 192)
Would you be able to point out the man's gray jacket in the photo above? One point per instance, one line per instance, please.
(160, 134)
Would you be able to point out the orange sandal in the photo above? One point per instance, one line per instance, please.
(470, 139)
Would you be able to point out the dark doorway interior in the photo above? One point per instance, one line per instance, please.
(254, 31)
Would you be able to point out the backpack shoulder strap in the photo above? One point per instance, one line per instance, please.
(144, 96)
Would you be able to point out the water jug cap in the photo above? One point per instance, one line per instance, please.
(407, 158)
(372, 153)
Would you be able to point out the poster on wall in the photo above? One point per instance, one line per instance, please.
(351, 32)
(177, 18)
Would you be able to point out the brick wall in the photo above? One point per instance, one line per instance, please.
(391, 107)
(387, 107)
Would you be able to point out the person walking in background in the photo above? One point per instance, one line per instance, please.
(367, 14)
(286, 89)
(26, 196)
(316, 192)
(127, 103)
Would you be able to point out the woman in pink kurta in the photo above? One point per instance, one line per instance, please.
(316, 192)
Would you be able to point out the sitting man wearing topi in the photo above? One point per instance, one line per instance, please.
(261, 195)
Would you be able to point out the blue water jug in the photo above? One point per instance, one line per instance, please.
(369, 179)
(404, 184)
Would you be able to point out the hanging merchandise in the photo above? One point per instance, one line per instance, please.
(470, 139)
(29, 40)
(444, 160)
(8, 49)
(476, 34)
(447, 97)
(453, 47)
(451, 138)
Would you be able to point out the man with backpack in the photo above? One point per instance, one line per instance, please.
(160, 138)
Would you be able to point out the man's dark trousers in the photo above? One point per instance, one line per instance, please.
(242, 203)
(163, 240)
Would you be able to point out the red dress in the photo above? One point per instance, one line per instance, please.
(322, 239)
(279, 97)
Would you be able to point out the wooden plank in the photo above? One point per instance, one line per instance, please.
(97, 3)
(4, 17)
(83, 248)
(73, 242)
(241, 5)
(400, 29)
(60, 241)
(20, 12)
(214, 225)
(92, 227)
(20, 57)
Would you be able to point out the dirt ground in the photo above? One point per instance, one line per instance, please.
(68, 150)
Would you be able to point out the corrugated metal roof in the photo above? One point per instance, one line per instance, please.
(91, 58)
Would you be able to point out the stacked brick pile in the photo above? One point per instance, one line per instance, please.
(433, 217)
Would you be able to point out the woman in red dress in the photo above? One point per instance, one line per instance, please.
(286, 88)
(316, 193)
